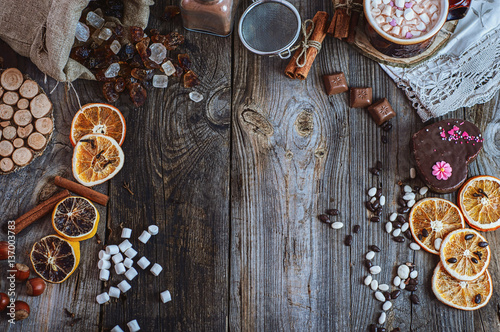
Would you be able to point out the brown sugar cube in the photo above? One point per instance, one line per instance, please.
(361, 97)
(381, 111)
(335, 83)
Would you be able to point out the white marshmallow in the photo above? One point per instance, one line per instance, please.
(379, 19)
(124, 286)
(375, 3)
(388, 19)
(130, 253)
(128, 262)
(434, 17)
(126, 233)
(145, 236)
(387, 27)
(417, 9)
(400, 3)
(103, 265)
(156, 269)
(133, 326)
(404, 30)
(376, 12)
(153, 229)
(416, 33)
(396, 30)
(112, 249)
(399, 13)
(102, 298)
(165, 296)
(118, 258)
(409, 14)
(143, 262)
(104, 275)
(421, 26)
(387, 11)
(104, 256)
(399, 20)
(131, 273)
(114, 292)
(386, 1)
(412, 22)
(425, 18)
(433, 9)
(125, 245)
(117, 328)
(120, 268)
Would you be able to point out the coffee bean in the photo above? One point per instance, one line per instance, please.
(374, 171)
(411, 288)
(414, 299)
(387, 127)
(452, 260)
(369, 206)
(381, 329)
(348, 240)
(384, 139)
(469, 236)
(376, 204)
(356, 229)
(375, 219)
(408, 234)
(387, 296)
(374, 248)
(399, 239)
(404, 210)
(483, 244)
(378, 211)
(416, 188)
(372, 328)
(397, 224)
(378, 165)
(333, 212)
(474, 260)
(379, 193)
(324, 218)
(397, 329)
(401, 219)
(368, 264)
(401, 201)
(425, 233)
(477, 298)
(395, 294)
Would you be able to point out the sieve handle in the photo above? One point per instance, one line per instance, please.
(285, 54)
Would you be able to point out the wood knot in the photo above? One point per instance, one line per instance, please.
(219, 108)
(304, 123)
(258, 122)
(289, 155)
(320, 153)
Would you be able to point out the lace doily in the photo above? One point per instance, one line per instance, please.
(449, 81)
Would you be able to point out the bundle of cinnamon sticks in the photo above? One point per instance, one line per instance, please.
(345, 19)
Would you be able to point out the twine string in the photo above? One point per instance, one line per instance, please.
(350, 5)
(305, 44)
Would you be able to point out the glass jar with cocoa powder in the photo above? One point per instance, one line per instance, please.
(209, 16)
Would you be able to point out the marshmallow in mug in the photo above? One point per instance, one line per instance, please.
(405, 18)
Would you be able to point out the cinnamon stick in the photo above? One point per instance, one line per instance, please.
(319, 33)
(341, 22)
(292, 65)
(39, 211)
(331, 27)
(82, 190)
(351, 35)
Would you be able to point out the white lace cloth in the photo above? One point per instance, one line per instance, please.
(464, 73)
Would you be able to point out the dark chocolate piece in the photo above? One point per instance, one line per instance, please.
(335, 83)
(381, 111)
(454, 141)
(361, 97)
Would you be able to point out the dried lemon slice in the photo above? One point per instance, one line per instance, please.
(75, 219)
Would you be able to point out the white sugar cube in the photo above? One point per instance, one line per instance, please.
(104, 275)
(118, 258)
(165, 296)
(425, 18)
(376, 12)
(153, 229)
(124, 286)
(103, 264)
(120, 268)
(133, 326)
(117, 328)
(145, 236)
(112, 249)
(387, 11)
(418, 9)
(128, 262)
(396, 30)
(125, 245)
(387, 27)
(400, 3)
(143, 262)
(156, 269)
(409, 14)
(104, 256)
(126, 233)
(379, 19)
(102, 298)
(399, 20)
(421, 26)
(433, 9)
(130, 253)
(131, 273)
(399, 13)
(114, 292)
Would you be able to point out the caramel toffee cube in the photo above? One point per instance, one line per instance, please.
(335, 83)
(381, 111)
(361, 97)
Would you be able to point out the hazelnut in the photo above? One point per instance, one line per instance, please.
(4, 301)
(4, 250)
(22, 310)
(22, 272)
(35, 286)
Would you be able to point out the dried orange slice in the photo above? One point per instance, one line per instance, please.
(96, 159)
(479, 200)
(75, 219)
(98, 118)
(54, 259)
(465, 254)
(434, 218)
(464, 295)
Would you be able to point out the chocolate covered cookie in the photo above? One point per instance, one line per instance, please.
(442, 152)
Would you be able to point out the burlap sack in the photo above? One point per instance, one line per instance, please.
(44, 31)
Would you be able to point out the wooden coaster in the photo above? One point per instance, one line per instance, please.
(26, 120)
(362, 44)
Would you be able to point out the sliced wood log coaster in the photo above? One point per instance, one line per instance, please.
(26, 120)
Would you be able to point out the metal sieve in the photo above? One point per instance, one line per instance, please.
(270, 27)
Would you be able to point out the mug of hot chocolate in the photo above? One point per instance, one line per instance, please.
(406, 28)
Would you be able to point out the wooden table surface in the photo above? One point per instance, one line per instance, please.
(235, 184)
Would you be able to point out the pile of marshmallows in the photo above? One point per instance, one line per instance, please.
(123, 265)
(405, 18)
